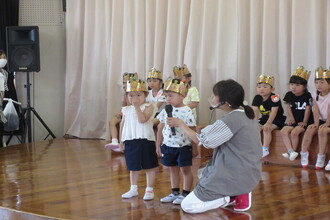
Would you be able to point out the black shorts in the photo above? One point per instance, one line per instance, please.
(294, 125)
(140, 154)
(279, 122)
(176, 156)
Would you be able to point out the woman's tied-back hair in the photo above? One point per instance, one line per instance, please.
(232, 92)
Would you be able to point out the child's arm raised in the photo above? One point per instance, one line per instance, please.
(145, 115)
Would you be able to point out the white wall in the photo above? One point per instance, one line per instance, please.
(47, 89)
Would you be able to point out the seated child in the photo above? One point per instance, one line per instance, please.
(156, 94)
(321, 113)
(192, 98)
(270, 107)
(114, 122)
(298, 101)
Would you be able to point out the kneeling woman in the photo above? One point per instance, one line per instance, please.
(234, 170)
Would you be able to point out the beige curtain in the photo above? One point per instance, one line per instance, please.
(217, 39)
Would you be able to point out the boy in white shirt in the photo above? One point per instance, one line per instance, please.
(174, 147)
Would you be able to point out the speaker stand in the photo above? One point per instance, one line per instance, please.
(29, 109)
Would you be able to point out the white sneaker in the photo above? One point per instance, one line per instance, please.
(286, 155)
(129, 194)
(327, 168)
(265, 152)
(149, 195)
(178, 200)
(304, 159)
(293, 155)
(320, 162)
(169, 198)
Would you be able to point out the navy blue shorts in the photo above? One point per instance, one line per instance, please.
(176, 156)
(140, 154)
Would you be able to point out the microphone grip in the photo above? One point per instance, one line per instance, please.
(169, 114)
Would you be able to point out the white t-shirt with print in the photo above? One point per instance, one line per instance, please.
(179, 139)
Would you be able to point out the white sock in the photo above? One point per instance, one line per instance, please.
(149, 188)
(134, 187)
(114, 141)
(265, 148)
(304, 153)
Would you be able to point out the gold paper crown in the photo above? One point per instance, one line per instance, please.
(154, 74)
(180, 71)
(321, 73)
(266, 79)
(176, 85)
(136, 85)
(127, 76)
(302, 73)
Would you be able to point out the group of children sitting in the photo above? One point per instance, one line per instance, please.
(143, 109)
(307, 114)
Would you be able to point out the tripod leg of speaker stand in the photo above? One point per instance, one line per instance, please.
(42, 122)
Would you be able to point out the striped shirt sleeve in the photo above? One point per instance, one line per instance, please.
(215, 135)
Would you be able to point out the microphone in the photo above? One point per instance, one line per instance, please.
(217, 106)
(169, 109)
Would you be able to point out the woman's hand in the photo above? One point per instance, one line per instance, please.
(174, 122)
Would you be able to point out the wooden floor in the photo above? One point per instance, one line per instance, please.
(79, 179)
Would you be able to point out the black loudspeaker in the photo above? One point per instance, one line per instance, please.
(23, 49)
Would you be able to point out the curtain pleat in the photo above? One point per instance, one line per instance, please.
(217, 39)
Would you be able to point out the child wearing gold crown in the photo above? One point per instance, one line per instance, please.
(192, 98)
(269, 105)
(114, 122)
(156, 93)
(321, 113)
(298, 101)
(174, 147)
(138, 138)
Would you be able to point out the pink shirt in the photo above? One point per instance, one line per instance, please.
(324, 106)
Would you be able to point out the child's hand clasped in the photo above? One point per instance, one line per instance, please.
(302, 124)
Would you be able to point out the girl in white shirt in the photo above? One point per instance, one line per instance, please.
(138, 138)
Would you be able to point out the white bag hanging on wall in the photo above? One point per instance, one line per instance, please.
(11, 115)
